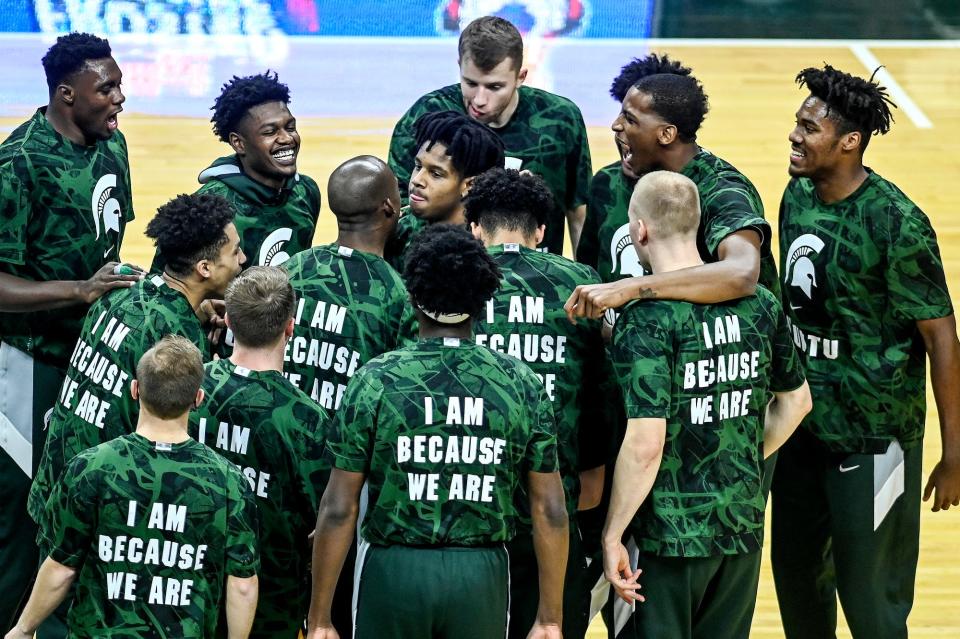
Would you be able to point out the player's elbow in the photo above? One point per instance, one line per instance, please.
(743, 278)
(802, 401)
(336, 511)
(548, 504)
(243, 589)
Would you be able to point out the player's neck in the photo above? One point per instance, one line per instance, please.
(166, 431)
(430, 328)
(840, 183)
(456, 216)
(366, 241)
(673, 256)
(65, 126)
(510, 237)
(190, 288)
(267, 358)
(679, 155)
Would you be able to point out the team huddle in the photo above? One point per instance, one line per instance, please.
(437, 425)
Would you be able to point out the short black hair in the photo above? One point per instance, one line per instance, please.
(853, 103)
(239, 95)
(637, 68)
(472, 147)
(509, 200)
(447, 270)
(69, 55)
(678, 99)
(190, 228)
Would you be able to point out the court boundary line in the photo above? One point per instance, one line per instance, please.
(897, 92)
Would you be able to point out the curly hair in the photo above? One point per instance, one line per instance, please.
(447, 270)
(190, 228)
(638, 68)
(239, 95)
(472, 147)
(678, 99)
(509, 200)
(853, 103)
(69, 55)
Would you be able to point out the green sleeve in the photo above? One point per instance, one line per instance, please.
(588, 251)
(541, 452)
(916, 286)
(351, 440)
(643, 360)
(787, 373)
(14, 217)
(67, 530)
(579, 167)
(729, 208)
(243, 527)
(403, 148)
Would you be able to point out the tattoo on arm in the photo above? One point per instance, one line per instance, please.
(647, 293)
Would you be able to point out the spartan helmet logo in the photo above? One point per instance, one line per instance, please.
(800, 268)
(622, 252)
(105, 207)
(270, 251)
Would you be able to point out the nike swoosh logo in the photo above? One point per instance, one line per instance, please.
(848, 469)
(793, 308)
(108, 251)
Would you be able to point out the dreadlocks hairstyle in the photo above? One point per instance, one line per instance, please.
(509, 200)
(490, 40)
(448, 271)
(853, 103)
(190, 228)
(239, 95)
(472, 147)
(678, 99)
(70, 54)
(638, 68)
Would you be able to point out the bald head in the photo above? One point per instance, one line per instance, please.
(361, 187)
(668, 203)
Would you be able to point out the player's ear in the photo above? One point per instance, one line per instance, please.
(667, 134)
(226, 320)
(851, 141)
(522, 76)
(135, 390)
(203, 269)
(199, 398)
(466, 185)
(288, 329)
(65, 93)
(540, 232)
(476, 230)
(236, 142)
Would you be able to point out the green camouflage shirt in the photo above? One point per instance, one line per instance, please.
(351, 307)
(445, 432)
(63, 209)
(273, 225)
(545, 135)
(95, 404)
(408, 227)
(525, 319)
(275, 434)
(709, 371)
(857, 275)
(728, 203)
(154, 530)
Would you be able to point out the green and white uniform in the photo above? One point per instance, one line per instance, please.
(64, 208)
(545, 135)
(154, 530)
(709, 370)
(525, 319)
(445, 432)
(857, 276)
(408, 227)
(275, 434)
(351, 307)
(94, 404)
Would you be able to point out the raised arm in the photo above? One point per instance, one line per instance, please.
(18, 295)
(734, 275)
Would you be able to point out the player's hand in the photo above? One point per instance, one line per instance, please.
(212, 314)
(620, 574)
(592, 300)
(327, 632)
(943, 485)
(107, 279)
(545, 631)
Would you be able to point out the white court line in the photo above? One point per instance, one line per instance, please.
(899, 95)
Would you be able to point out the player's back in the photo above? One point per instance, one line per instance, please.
(159, 527)
(275, 434)
(350, 308)
(452, 429)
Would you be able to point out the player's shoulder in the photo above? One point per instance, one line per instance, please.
(550, 103)
(565, 269)
(881, 194)
(660, 314)
(608, 174)
(507, 366)
(29, 145)
(307, 185)
(709, 167)
(448, 98)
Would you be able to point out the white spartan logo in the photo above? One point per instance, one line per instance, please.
(800, 270)
(622, 251)
(271, 253)
(105, 207)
